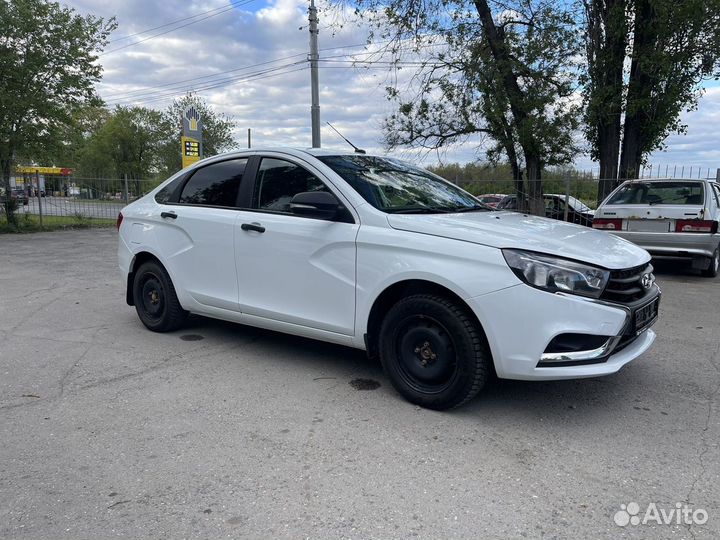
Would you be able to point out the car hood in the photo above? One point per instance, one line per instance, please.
(520, 231)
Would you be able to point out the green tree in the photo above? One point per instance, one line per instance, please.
(124, 145)
(72, 138)
(48, 68)
(672, 47)
(499, 73)
(217, 132)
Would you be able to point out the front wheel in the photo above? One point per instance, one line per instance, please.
(433, 352)
(712, 270)
(156, 303)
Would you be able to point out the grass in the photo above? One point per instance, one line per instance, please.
(29, 223)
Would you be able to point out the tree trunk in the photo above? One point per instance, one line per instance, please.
(631, 158)
(516, 172)
(518, 106)
(536, 204)
(639, 90)
(9, 206)
(607, 44)
(609, 151)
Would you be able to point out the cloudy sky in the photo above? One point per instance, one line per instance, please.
(248, 59)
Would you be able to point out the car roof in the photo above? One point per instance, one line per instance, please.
(632, 180)
(299, 152)
(295, 152)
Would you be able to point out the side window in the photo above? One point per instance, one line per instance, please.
(716, 189)
(215, 185)
(163, 196)
(278, 181)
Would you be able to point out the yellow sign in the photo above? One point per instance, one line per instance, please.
(190, 151)
(44, 170)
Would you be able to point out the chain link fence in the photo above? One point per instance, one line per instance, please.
(76, 201)
(97, 201)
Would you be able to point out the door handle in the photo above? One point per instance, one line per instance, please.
(171, 215)
(252, 227)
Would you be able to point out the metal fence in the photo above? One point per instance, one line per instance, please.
(84, 200)
(99, 200)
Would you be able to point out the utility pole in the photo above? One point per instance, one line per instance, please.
(314, 83)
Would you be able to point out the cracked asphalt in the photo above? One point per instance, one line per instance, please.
(223, 431)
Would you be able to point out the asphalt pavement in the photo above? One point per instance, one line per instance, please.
(222, 431)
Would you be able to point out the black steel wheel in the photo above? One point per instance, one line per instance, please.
(433, 351)
(155, 299)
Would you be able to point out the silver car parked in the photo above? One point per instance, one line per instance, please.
(669, 218)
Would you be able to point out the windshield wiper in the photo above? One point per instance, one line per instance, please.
(472, 209)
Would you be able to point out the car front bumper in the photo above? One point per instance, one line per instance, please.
(672, 245)
(521, 321)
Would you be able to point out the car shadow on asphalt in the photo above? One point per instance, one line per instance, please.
(584, 400)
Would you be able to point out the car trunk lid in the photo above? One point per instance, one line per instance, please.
(647, 218)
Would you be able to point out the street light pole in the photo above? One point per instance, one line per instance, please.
(314, 82)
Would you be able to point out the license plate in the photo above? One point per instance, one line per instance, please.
(648, 225)
(646, 315)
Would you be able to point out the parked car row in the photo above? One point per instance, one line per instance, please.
(555, 205)
(18, 194)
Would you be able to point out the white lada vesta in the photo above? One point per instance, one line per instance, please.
(373, 253)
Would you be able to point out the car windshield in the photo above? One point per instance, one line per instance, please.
(652, 193)
(397, 187)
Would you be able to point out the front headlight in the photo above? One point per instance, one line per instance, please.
(555, 274)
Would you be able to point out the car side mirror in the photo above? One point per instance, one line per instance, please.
(315, 204)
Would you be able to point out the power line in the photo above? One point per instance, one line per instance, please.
(388, 63)
(122, 95)
(149, 89)
(203, 86)
(260, 74)
(160, 92)
(224, 10)
(238, 81)
(170, 23)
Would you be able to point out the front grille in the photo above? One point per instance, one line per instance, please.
(625, 286)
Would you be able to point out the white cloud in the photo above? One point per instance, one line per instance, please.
(277, 108)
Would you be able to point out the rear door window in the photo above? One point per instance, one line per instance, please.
(164, 196)
(216, 184)
(652, 193)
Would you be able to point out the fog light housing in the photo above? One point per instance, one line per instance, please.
(577, 349)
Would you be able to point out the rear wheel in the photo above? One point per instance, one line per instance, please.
(434, 353)
(712, 270)
(156, 303)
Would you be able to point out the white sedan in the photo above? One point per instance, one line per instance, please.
(374, 253)
(670, 218)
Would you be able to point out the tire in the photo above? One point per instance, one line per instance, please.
(433, 352)
(155, 300)
(712, 269)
